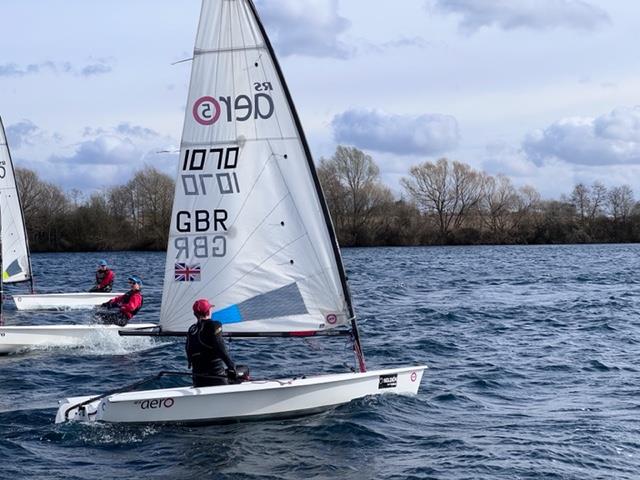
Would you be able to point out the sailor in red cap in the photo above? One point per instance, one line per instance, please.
(206, 351)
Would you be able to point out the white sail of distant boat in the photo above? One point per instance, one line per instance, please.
(251, 232)
(16, 261)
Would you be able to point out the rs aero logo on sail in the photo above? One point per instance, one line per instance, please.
(208, 110)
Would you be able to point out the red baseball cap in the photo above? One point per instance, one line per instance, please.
(202, 307)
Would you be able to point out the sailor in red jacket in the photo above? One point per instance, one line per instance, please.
(104, 278)
(128, 305)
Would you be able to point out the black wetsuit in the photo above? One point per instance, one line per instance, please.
(207, 354)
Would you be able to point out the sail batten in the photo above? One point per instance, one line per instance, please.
(250, 229)
(240, 141)
(227, 50)
(16, 262)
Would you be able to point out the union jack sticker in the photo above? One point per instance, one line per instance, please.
(187, 273)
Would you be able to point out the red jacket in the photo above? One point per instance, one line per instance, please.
(130, 303)
(107, 278)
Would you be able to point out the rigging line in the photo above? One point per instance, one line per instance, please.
(183, 305)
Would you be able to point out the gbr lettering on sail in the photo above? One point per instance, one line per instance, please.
(209, 172)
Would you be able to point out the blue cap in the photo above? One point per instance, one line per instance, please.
(103, 263)
(135, 279)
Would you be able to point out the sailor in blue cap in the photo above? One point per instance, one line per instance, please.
(127, 305)
(104, 278)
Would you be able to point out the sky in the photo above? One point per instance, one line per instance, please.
(543, 91)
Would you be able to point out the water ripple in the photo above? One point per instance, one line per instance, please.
(533, 373)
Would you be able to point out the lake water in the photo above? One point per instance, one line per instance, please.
(533, 374)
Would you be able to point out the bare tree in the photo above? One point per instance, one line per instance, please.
(448, 190)
(351, 178)
(499, 203)
(620, 203)
(597, 200)
(30, 189)
(581, 199)
(467, 185)
(144, 203)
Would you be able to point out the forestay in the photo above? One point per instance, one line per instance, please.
(249, 228)
(16, 266)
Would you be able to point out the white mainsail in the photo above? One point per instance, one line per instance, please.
(16, 265)
(249, 228)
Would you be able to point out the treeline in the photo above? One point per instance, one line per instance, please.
(448, 202)
(134, 216)
(442, 202)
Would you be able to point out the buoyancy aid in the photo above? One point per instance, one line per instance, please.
(101, 275)
(206, 350)
(124, 300)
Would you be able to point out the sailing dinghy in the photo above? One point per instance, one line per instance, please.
(62, 301)
(16, 267)
(251, 231)
(16, 258)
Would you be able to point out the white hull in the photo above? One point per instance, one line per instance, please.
(246, 401)
(62, 301)
(16, 338)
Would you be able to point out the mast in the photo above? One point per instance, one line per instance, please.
(325, 210)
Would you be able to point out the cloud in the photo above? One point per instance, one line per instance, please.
(104, 150)
(97, 67)
(27, 135)
(126, 128)
(398, 43)
(611, 139)
(533, 14)
(308, 28)
(403, 42)
(120, 145)
(502, 158)
(23, 133)
(104, 156)
(400, 134)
